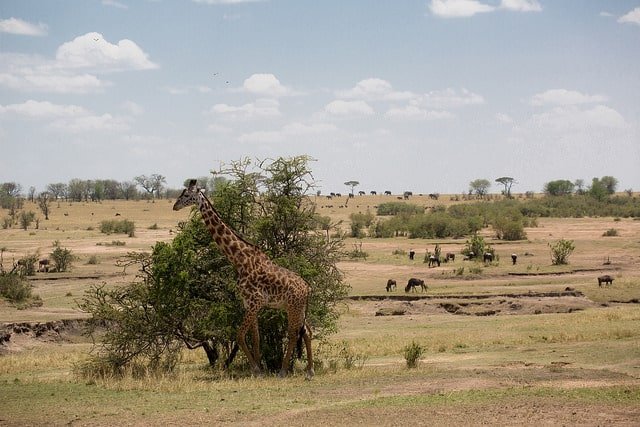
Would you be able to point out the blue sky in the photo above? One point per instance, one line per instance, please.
(400, 95)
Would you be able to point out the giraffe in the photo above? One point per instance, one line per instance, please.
(261, 283)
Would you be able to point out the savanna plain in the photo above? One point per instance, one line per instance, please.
(504, 344)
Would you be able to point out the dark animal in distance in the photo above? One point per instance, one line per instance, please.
(606, 279)
(391, 285)
(487, 257)
(434, 196)
(450, 256)
(434, 260)
(387, 193)
(514, 258)
(413, 283)
(412, 254)
(43, 265)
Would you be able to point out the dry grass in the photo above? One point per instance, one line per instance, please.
(520, 368)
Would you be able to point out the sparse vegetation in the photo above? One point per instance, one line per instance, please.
(561, 250)
(123, 226)
(412, 354)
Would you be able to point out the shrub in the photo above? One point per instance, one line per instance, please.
(412, 354)
(61, 257)
(560, 251)
(123, 226)
(14, 288)
(612, 232)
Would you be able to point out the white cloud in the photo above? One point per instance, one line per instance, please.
(413, 112)
(75, 68)
(458, 8)
(348, 108)
(503, 118)
(43, 109)
(521, 5)
(226, 1)
(265, 85)
(66, 118)
(188, 89)
(91, 50)
(374, 89)
(132, 108)
(294, 129)
(572, 118)
(451, 98)
(20, 27)
(564, 97)
(633, 17)
(115, 4)
(91, 123)
(259, 108)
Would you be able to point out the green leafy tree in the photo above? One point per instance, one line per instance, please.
(507, 182)
(479, 187)
(559, 187)
(561, 250)
(352, 184)
(186, 294)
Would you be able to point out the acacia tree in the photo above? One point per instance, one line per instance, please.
(352, 184)
(508, 182)
(479, 187)
(186, 293)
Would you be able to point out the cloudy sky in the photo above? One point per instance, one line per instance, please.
(420, 95)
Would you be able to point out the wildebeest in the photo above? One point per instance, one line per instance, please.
(434, 260)
(606, 279)
(514, 258)
(434, 196)
(412, 254)
(487, 257)
(413, 283)
(387, 193)
(43, 265)
(391, 285)
(450, 256)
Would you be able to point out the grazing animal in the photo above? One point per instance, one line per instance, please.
(373, 193)
(450, 256)
(606, 279)
(43, 265)
(391, 285)
(514, 258)
(261, 283)
(434, 196)
(413, 283)
(412, 254)
(487, 257)
(387, 193)
(434, 260)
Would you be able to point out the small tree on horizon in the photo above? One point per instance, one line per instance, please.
(352, 184)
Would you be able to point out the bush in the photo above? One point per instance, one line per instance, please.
(412, 354)
(14, 288)
(62, 258)
(612, 232)
(123, 226)
(560, 251)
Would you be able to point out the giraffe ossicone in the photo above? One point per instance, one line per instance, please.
(261, 283)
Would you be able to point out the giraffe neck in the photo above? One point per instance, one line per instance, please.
(238, 251)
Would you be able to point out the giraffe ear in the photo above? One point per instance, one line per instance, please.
(192, 183)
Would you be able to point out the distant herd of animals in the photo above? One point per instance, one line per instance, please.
(413, 284)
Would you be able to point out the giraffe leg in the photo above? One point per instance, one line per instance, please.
(292, 335)
(249, 321)
(255, 335)
(307, 342)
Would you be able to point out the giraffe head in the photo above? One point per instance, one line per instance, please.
(188, 197)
